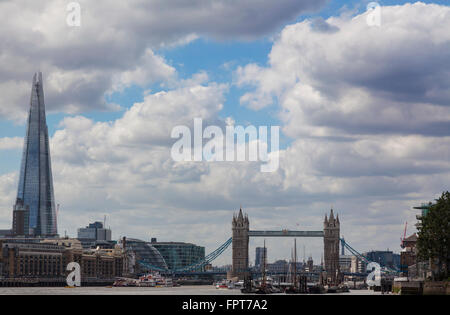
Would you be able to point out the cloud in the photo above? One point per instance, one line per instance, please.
(151, 69)
(359, 79)
(8, 143)
(134, 150)
(8, 191)
(320, 25)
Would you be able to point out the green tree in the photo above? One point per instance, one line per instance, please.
(434, 235)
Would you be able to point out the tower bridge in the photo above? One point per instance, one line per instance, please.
(285, 233)
(241, 234)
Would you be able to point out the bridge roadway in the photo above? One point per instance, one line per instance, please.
(285, 233)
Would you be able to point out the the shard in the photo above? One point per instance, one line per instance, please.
(34, 211)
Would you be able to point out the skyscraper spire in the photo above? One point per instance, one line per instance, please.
(35, 192)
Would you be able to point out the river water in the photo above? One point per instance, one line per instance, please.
(182, 290)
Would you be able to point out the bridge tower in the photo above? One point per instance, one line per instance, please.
(331, 230)
(240, 228)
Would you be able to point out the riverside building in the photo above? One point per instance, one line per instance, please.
(178, 254)
(46, 259)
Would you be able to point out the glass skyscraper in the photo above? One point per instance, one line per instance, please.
(34, 212)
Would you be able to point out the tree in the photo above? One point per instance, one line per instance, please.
(434, 235)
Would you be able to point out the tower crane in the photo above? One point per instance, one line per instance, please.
(402, 244)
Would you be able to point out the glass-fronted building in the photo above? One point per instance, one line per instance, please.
(146, 253)
(384, 258)
(95, 234)
(261, 254)
(34, 211)
(95, 231)
(179, 255)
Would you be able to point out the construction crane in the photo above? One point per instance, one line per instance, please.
(402, 244)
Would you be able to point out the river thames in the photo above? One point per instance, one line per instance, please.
(183, 290)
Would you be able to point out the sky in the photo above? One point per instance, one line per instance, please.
(363, 110)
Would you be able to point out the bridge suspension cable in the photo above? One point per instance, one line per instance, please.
(364, 258)
(354, 251)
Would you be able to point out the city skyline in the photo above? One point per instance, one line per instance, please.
(363, 117)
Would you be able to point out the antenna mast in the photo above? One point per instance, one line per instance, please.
(264, 266)
(295, 263)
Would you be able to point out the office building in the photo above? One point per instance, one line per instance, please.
(142, 256)
(261, 254)
(408, 255)
(34, 212)
(178, 254)
(95, 235)
(310, 265)
(345, 263)
(5, 233)
(283, 267)
(357, 265)
(384, 258)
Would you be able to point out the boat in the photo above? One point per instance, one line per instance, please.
(125, 282)
(299, 284)
(222, 284)
(229, 284)
(148, 280)
(236, 285)
(248, 285)
(248, 290)
(315, 288)
(265, 283)
(155, 279)
(263, 290)
(337, 289)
